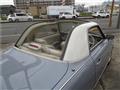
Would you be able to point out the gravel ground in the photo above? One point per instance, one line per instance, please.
(111, 77)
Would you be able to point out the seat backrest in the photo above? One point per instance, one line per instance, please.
(62, 45)
(41, 41)
(51, 51)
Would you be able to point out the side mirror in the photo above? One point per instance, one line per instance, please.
(110, 37)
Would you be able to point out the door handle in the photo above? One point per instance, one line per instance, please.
(98, 61)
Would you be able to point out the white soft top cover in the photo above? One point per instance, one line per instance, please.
(78, 47)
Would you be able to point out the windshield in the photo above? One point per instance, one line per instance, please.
(21, 15)
(43, 40)
(47, 40)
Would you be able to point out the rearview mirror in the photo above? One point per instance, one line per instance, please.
(110, 37)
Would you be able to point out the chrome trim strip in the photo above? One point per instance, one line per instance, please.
(96, 45)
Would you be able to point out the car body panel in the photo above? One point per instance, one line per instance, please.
(19, 17)
(79, 74)
(29, 71)
(66, 15)
(101, 14)
(101, 57)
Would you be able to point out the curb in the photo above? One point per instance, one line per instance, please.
(37, 20)
(28, 21)
(85, 17)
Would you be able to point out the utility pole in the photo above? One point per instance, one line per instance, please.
(110, 19)
(118, 23)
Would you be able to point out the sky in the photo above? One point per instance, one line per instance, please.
(6, 2)
(86, 2)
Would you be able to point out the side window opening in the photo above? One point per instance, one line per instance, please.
(44, 41)
(12, 15)
(20, 14)
(94, 36)
(47, 40)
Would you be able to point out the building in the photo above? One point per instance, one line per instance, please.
(115, 9)
(108, 6)
(68, 2)
(6, 9)
(38, 7)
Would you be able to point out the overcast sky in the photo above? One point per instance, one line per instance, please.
(87, 2)
(6, 2)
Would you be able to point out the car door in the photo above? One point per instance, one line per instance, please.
(83, 77)
(99, 50)
(102, 14)
(68, 15)
(24, 17)
(19, 17)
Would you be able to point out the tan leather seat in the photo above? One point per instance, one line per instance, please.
(51, 51)
(41, 41)
(62, 44)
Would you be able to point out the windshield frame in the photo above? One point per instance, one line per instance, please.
(29, 30)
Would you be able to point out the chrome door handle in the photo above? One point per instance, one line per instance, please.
(98, 61)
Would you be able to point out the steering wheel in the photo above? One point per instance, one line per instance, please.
(91, 40)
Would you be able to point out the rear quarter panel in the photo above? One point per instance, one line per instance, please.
(80, 76)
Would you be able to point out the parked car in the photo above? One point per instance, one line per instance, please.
(67, 15)
(62, 55)
(19, 17)
(101, 14)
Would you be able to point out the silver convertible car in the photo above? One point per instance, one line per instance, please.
(62, 55)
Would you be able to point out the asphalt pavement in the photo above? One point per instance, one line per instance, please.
(104, 22)
(10, 32)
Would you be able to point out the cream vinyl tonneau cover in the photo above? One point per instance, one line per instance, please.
(78, 47)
